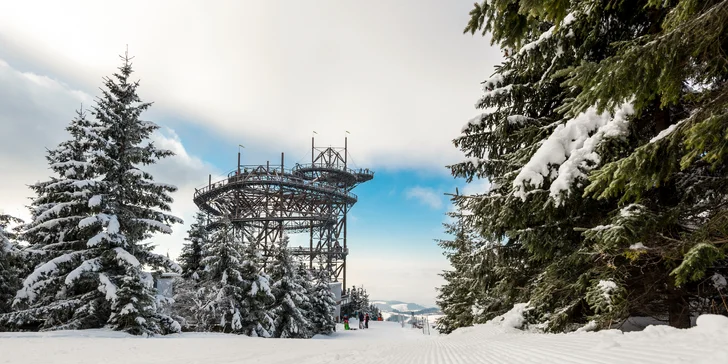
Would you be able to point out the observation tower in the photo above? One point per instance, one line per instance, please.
(262, 202)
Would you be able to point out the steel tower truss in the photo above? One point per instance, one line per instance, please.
(263, 201)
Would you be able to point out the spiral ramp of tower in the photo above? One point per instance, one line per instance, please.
(263, 202)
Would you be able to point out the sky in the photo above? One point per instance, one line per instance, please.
(399, 76)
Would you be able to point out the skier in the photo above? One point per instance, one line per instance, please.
(361, 320)
(346, 322)
(366, 321)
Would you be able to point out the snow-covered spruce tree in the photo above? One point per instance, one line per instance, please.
(456, 296)
(187, 302)
(673, 178)
(190, 293)
(530, 245)
(191, 258)
(306, 280)
(602, 90)
(666, 236)
(236, 293)
(222, 282)
(351, 308)
(63, 201)
(105, 277)
(374, 311)
(364, 301)
(221, 286)
(131, 207)
(537, 156)
(290, 295)
(258, 296)
(57, 244)
(9, 265)
(485, 278)
(323, 305)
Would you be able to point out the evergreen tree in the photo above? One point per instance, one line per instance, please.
(64, 200)
(191, 257)
(290, 296)
(363, 301)
(374, 312)
(9, 264)
(671, 180)
(259, 295)
(101, 268)
(483, 280)
(188, 302)
(456, 296)
(351, 308)
(498, 143)
(323, 305)
(190, 292)
(224, 283)
(236, 293)
(131, 205)
(306, 280)
(601, 146)
(56, 239)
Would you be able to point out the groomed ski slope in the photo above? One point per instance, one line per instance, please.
(383, 342)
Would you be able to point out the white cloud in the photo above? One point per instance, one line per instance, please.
(425, 195)
(268, 73)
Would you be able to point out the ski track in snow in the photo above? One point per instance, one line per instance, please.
(383, 342)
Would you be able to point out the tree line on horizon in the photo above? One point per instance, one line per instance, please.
(85, 261)
(358, 301)
(604, 136)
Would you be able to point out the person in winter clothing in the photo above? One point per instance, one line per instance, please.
(346, 323)
(366, 321)
(361, 320)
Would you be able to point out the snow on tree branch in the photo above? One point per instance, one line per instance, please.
(667, 131)
(570, 146)
(111, 228)
(155, 225)
(91, 265)
(31, 283)
(547, 34)
(123, 256)
(107, 287)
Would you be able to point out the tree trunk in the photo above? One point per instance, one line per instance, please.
(677, 307)
(662, 117)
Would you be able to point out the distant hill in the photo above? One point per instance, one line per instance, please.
(403, 307)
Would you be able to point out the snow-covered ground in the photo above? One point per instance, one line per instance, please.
(383, 342)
